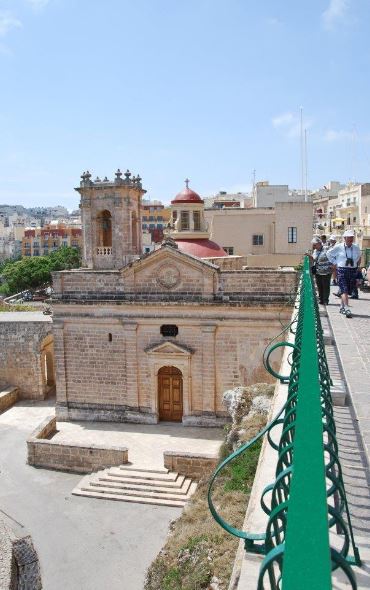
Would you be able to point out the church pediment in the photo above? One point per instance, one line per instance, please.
(169, 348)
(169, 270)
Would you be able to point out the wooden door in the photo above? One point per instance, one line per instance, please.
(170, 394)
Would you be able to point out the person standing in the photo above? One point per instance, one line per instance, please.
(331, 244)
(346, 257)
(322, 269)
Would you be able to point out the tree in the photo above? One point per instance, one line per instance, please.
(34, 272)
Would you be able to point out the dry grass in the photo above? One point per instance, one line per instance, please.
(198, 548)
(16, 307)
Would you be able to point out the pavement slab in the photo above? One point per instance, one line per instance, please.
(82, 543)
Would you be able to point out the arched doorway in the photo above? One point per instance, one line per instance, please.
(104, 227)
(170, 394)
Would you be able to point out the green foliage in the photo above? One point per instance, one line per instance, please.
(239, 474)
(34, 272)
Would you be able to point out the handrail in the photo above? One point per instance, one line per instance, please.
(308, 496)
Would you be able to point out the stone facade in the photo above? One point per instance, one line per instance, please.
(26, 353)
(109, 347)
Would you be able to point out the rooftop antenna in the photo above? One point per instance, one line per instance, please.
(302, 150)
(254, 187)
(305, 164)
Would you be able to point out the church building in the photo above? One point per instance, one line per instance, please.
(159, 336)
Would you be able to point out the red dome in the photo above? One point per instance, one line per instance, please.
(201, 248)
(187, 196)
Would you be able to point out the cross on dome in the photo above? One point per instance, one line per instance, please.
(187, 182)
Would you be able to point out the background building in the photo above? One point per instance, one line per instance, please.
(43, 241)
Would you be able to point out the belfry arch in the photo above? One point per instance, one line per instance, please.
(104, 229)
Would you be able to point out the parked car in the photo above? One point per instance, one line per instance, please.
(27, 296)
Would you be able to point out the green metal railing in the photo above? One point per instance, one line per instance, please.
(307, 499)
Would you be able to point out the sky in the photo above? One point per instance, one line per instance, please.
(206, 89)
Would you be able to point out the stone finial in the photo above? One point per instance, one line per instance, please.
(118, 173)
(168, 241)
(97, 179)
(134, 179)
(105, 179)
(127, 175)
(138, 179)
(85, 179)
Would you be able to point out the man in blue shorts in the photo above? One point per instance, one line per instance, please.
(346, 257)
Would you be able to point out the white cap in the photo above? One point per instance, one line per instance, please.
(316, 240)
(333, 238)
(349, 233)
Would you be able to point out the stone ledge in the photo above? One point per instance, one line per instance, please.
(8, 397)
(193, 465)
(72, 457)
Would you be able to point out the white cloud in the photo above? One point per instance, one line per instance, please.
(8, 22)
(335, 13)
(37, 4)
(290, 124)
(283, 120)
(332, 135)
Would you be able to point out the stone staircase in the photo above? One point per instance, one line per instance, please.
(128, 483)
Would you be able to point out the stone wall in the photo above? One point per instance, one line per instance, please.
(190, 465)
(260, 284)
(8, 397)
(82, 283)
(25, 338)
(122, 350)
(19, 564)
(43, 451)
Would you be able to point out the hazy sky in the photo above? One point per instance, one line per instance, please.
(207, 89)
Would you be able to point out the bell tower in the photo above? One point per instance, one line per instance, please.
(111, 220)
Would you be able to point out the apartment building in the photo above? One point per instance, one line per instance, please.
(42, 241)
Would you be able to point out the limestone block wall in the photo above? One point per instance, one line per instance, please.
(43, 451)
(263, 284)
(24, 341)
(190, 465)
(108, 358)
(8, 397)
(82, 284)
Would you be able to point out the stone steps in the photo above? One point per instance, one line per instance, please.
(132, 484)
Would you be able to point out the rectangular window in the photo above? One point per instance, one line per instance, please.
(292, 235)
(257, 240)
(196, 219)
(229, 250)
(151, 218)
(144, 226)
(184, 220)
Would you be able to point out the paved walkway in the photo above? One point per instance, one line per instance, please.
(352, 339)
(145, 443)
(82, 544)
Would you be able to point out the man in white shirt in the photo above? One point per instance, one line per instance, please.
(346, 257)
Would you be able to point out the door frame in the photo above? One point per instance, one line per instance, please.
(177, 374)
(170, 354)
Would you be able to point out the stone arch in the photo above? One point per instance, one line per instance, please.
(47, 364)
(170, 393)
(104, 229)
